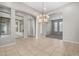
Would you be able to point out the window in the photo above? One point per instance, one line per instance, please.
(4, 26)
(19, 26)
(16, 26)
(55, 26)
(60, 26)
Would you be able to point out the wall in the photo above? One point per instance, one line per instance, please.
(70, 14)
(11, 38)
(71, 22)
(29, 23)
(4, 12)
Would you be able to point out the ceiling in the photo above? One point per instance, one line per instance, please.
(48, 6)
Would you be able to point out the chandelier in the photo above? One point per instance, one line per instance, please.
(43, 17)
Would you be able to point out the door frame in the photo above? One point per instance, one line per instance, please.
(58, 33)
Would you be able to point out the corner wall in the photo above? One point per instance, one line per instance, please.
(71, 23)
(70, 14)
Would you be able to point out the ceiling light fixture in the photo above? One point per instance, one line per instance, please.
(43, 17)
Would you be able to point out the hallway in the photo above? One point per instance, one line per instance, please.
(40, 47)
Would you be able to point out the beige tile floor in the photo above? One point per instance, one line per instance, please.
(40, 47)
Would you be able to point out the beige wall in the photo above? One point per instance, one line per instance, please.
(70, 14)
(71, 22)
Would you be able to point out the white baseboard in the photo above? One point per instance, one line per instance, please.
(8, 44)
(71, 41)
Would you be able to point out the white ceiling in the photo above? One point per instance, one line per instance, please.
(48, 5)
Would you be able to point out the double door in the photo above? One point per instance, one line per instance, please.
(57, 27)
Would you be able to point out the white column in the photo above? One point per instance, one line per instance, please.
(33, 27)
(41, 29)
(18, 26)
(13, 25)
(25, 26)
(37, 33)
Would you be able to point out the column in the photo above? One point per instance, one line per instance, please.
(13, 25)
(25, 26)
(41, 29)
(34, 27)
(37, 24)
(18, 26)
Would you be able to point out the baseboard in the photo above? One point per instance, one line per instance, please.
(71, 41)
(8, 44)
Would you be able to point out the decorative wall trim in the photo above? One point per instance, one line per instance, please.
(63, 6)
(71, 41)
(3, 14)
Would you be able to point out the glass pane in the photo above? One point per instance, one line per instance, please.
(60, 26)
(55, 26)
(4, 26)
(19, 26)
(16, 26)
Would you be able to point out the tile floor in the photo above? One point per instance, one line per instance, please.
(40, 47)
